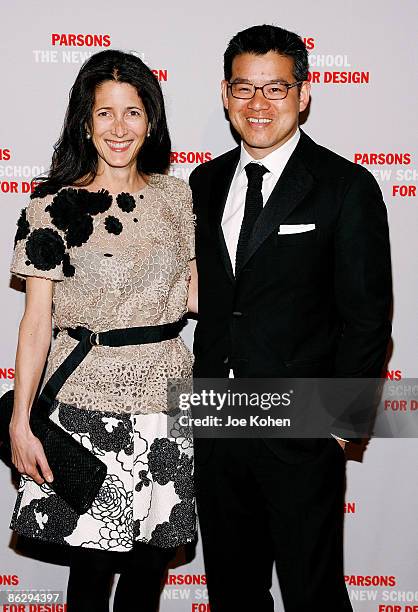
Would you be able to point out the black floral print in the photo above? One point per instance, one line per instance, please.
(106, 433)
(126, 202)
(45, 249)
(155, 482)
(48, 518)
(183, 479)
(113, 225)
(163, 459)
(143, 480)
(180, 527)
(111, 501)
(23, 227)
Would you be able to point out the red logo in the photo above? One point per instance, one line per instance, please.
(7, 373)
(9, 579)
(190, 157)
(309, 43)
(80, 40)
(382, 159)
(4, 154)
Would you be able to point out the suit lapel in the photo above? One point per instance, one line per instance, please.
(219, 193)
(291, 188)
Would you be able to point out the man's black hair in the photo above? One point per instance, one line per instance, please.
(261, 39)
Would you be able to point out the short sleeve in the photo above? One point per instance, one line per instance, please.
(39, 247)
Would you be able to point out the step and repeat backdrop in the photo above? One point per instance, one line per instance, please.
(363, 106)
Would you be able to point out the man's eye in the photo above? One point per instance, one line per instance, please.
(243, 88)
(276, 88)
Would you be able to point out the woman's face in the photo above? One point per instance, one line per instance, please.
(119, 123)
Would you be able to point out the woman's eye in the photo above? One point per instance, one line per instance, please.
(102, 113)
(135, 113)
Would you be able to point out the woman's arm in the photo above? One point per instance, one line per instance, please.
(33, 344)
(192, 301)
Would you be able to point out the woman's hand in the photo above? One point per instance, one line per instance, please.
(192, 297)
(28, 455)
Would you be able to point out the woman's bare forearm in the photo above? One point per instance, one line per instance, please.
(32, 350)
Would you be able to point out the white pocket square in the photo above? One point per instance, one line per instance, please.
(296, 229)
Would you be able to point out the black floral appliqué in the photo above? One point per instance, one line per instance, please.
(78, 233)
(23, 227)
(126, 202)
(71, 211)
(42, 189)
(67, 267)
(113, 225)
(96, 202)
(45, 248)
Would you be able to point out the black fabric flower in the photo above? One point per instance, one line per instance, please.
(71, 211)
(96, 202)
(45, 248)
(126, 202)
(23, 227)
(67, 268)
(113, 225)
(79, 232)
(43, 189)
(65, 209)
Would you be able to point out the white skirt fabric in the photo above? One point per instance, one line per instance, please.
(147, 495)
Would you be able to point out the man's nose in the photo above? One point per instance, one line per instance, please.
(258, 101)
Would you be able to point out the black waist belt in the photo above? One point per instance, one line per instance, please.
(128, 335)
(114, 337)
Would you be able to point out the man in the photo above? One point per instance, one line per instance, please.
(294, 281)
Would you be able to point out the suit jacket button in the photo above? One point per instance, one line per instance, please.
(237, 313)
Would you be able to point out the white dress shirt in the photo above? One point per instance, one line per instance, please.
(235, 203)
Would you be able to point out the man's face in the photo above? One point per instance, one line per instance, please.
(279, 117)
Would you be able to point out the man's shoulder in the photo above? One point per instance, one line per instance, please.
(213, 166)
(328, 163)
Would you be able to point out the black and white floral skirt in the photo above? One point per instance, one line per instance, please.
(147, 495)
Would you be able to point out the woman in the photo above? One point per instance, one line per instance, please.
(107, 242)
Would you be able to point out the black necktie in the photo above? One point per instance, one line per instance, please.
(253, 207)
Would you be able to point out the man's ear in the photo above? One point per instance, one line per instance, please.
(224, 89)
(304, 95)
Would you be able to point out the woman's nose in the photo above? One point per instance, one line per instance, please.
(119, 128)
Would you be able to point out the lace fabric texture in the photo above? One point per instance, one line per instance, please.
(129, 267)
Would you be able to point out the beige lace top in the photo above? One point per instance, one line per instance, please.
(118, 261)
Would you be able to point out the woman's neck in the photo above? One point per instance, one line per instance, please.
(117, 180)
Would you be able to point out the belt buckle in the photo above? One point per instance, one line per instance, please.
(94, 339)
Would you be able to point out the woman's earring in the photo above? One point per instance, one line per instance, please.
(88, 135)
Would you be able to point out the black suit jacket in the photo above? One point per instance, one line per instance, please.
(313, 304)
